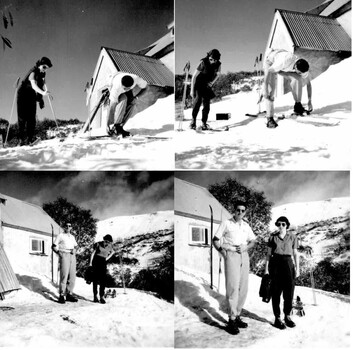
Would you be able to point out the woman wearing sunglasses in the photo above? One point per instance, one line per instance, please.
(282, 250)
(31, 91)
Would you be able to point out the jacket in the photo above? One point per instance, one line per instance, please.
(265, 288)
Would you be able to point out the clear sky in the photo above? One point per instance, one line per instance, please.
(238, 29)
(106, 194)
(281, 187)
(71, 33)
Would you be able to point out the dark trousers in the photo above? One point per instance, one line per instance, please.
(282, 275)
(201, 97)
(26, 112)
(99, 267)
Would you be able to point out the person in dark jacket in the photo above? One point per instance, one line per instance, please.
(282, 250)
(102, 252)
(202, 81)
(31, 90)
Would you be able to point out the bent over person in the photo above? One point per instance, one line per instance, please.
(293, 69)
(233, 239)
(65, 246)
(31, 91)
(125, 90)
(282, 250)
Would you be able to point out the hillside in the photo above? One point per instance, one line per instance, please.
(320, 141)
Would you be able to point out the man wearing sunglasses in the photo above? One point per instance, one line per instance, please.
(295, 70)
(282, 250)
(233, 239)
(65, 246)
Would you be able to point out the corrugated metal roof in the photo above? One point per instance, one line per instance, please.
(193, 201)
(150, 69)
(18, 214)
(316, 32)
(159, 45)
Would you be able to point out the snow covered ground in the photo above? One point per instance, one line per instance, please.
(201, 315)
(321, 141)
(75, 153)
(32, 317)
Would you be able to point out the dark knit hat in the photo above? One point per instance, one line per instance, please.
(44, 61)
(282, 219)
(108, 238)
(127, 81)
(302, 65)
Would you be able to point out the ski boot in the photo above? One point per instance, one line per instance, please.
(299, 109)
(205, 126)
(232, 327)
(271, 123)
(193, 125)
(120, 131)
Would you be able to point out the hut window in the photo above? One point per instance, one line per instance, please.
(37, 246)
(198, 235)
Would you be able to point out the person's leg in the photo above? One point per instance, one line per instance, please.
(206, 109)
(95, 290)
(196, 105)
(72, 274)
(232, 275)
(288, 288)
(297, 89)
(120, 109)
(244, 281)
(64, 262)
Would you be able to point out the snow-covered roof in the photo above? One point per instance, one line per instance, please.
(150, 69)
(332, 8)
(25, 216)
(316, 32)
(194, 201)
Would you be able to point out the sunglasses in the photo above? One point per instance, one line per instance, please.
(69, 225)
(241, 210)
(45, 67)
(283, 224)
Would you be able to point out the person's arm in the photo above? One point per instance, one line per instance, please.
(290, 75)
(91, 258)
(296, 262)
(35, 87)
(193, 80)
(210, 84)
(110, 255)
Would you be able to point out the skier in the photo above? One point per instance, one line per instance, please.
(102, 252)
(282, 246)
(233, 239)
(293, 69)
(204, 77)
(65, 246)
(31, 91)
(125, 89)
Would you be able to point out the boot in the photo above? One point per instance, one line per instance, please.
(102, 301)
(298, 108)
(240, 322)
(120, 131)
(61, 299)
(193, 125)
(232, 327)
(279, 324)
(205, 126)
(271, 123)
(288, 321)
(70, 297)
(95, 299)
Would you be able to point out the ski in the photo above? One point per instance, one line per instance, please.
(211, 255)
(135, 137)
(313, 119)
(35, 142)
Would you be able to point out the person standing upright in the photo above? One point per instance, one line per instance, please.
(204, 77)
(65, 246)
(233, 239)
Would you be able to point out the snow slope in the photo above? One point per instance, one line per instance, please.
(76, 153)
(201, 315)
(304, 213)
(129, 226)
(296, 144)
(32, 317)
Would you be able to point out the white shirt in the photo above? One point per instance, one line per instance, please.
(281, 60)
(65, 241)
(117, 88)
(235, 233)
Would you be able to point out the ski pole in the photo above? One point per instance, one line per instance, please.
(181, 118)
(12, 108)
(122, 275)
(52, 110)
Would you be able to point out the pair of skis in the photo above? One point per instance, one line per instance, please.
(211, 256)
